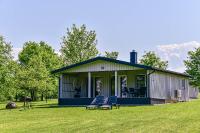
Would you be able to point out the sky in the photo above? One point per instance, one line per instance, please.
(171, 28)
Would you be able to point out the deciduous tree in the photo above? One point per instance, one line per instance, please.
(151, 59)
(193, 66)
(78, 44)
(113, 55)
(37, 61)
(7, 71)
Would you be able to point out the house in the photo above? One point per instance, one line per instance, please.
(132, 83)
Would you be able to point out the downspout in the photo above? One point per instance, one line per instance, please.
(148, 82)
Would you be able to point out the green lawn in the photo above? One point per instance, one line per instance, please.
(179, 117)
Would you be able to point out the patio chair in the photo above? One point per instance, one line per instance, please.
(125, 92)
(131, 92)
(112, 101)
(77, 92)
(143, 91)
(106, 104)
(98, 101)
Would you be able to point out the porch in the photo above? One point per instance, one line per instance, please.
(79, 88)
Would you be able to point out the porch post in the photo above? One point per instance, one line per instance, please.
(89, 84)
(116, 83)
(60, 88)
(148, 84)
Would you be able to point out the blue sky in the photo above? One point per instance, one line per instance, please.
(170, 27)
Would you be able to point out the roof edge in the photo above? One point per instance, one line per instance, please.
(116, 61)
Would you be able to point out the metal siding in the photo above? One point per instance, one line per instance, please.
(157, 86)
(106, 82)
(61, 86)
(67, 91)
(59, 82)
(101, 66)
(193, 92)
(163, 86)
(83, 81)
(131, 75)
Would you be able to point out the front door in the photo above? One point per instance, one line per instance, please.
(98, 85)
(123, 86)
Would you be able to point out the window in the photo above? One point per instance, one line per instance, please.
(140, 81)
(183, 84)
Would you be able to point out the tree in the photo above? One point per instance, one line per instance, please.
(78, 45)
(193, 67)
(113, 55)
(151, 59)
(7, 71)
(37, 61)
(47, 53)
(38, 77)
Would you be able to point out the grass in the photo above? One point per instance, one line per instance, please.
(170, 118)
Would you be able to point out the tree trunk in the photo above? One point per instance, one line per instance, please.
(46, 98)
(32, 95)
(42, 97)
(16, 97)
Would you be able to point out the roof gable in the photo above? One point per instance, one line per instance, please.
(117, 64)
(101, 65)
(124, 63)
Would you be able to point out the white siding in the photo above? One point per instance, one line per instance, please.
(163, 86)
(101, 66)
(193, 92)
(158, 89)
(106, 76)
(69, 82)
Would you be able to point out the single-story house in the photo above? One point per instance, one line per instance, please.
(131, 82)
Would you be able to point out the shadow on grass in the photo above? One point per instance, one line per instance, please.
(53, 105)
(45, 105)
(3, 109)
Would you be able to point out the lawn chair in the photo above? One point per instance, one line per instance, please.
(112, 101)
(98, 101)
(106, 104)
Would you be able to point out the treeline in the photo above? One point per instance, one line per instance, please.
(31, 76)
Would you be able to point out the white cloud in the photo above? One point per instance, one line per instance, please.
(15, 52)
(178, 69)
(176, 53)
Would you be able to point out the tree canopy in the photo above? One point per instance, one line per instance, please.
(37, 60)
(151, 59)
(42, 49)
(193, 66)
(113, 55)
(79, 44)
(8, 70)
